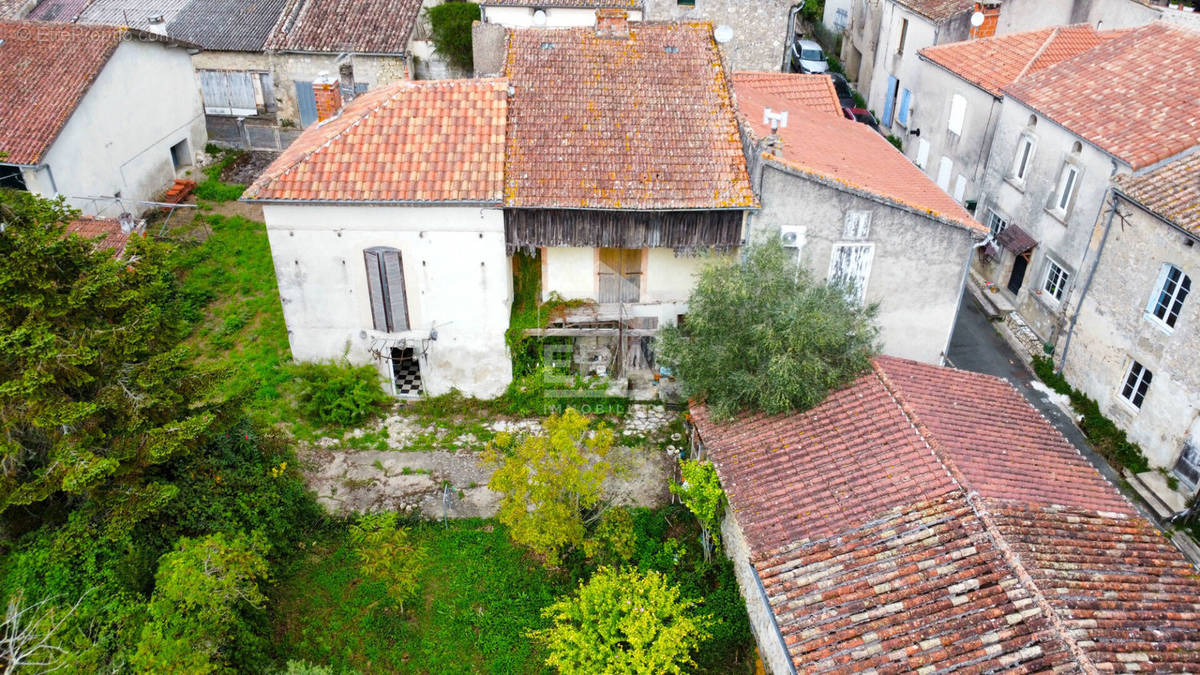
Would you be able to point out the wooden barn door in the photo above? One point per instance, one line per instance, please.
(620, 275)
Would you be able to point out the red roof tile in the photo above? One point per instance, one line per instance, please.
(994, 62)
(47, 68)
(640, 123)
(812, 91)
(95, 228)
(1172, 191)
(847, 153)
(429, 141)
(358, 26)
(928, 518)
(1134, 96)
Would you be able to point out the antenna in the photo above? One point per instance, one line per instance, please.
(775, 120)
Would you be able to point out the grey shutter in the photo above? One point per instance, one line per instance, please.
(241, 93)
(394, 293)
(306, 101)
(268, 91)
(375, 289)
(216, 94)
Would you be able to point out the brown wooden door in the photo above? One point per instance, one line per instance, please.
(620, 275)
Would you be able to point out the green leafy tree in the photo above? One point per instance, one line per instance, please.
(95, 389)
(552, 482)
(450, 24)
(761, 334)
(623, 623)
(386, 553)
(701, 492)
(201, 592)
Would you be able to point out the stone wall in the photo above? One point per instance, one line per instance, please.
(760, 29)
(762, 620)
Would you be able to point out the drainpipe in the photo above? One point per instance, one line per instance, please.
(962, 289)
(1062, 363)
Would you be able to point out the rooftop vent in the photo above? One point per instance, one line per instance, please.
(157, 18)
(547, 45)
(671, 49)
(612, 23)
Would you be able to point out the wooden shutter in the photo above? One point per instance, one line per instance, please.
(850, 269)
(395, 298)
(620, 275)
(375, 288)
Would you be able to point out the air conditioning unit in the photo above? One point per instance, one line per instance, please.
(793, 235)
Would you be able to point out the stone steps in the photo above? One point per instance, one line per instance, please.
(1151, 496)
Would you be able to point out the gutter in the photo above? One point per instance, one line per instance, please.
(365, 202)
(1087, 284)
(762, 591)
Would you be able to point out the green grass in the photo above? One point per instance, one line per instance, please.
(480, 595)
(211, 188)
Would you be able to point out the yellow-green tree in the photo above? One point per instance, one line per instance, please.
(387, 553)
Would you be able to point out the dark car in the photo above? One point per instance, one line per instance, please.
(862, 115)
(844, 93)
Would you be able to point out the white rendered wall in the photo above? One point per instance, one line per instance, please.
(556, 17)
(458, 281)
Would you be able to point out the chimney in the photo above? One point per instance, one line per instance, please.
(612, 23)
(327, 91)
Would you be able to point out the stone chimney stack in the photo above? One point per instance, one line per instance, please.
(612, 23)
(327, 90)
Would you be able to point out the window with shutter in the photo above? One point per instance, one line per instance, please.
(619, 275)
(958, 114)
(385, 288)
(850, 269)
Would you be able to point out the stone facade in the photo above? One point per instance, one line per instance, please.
(760, 29)
(762, 621)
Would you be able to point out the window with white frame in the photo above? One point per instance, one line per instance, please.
(1024, 157)
(850, 269)
(1067, 182)
(958, 114)
(1056, 280)
(1137, 382)
(841, 19)
(922, 153)
(1170, 291)
(945, 166)
(996, 222)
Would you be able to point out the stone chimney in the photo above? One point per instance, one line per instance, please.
(327, 90)
(612, 23)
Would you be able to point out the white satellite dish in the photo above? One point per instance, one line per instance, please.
(722, 34)
(977, 19)
(539, 17)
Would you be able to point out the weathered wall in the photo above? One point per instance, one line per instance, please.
(119, 138)
(762, 623)
(889, 60)
(556, 17)
(1114, 329)
(1064, 239)
(288, 68)
(760, 29)
(917, 266)
(860, 43)
(458, 280)
(570, 271)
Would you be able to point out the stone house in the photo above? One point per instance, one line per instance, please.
(387, 233)
(104, 116)
(960, 98)
(925, 519)
(1053, 159)
(855, 211)
(1133, 332)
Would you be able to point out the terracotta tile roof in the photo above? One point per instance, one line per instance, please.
(55, 65)
(982, 564)
(1016, 239)
(429, 141)
(93, 228)
(1172, 191)
(848, 153)
(813, 91)
(227, 25)
(938, 10)
(57, 10)
(641, 123)
(359, 26)
(994, 62)
(585, 4)
(1134, 96)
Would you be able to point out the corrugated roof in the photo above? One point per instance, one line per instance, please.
(227, 25)
(428, 141)
(1172, 191)
(358, 26)
(848, 153)
(1135, 96)
(644, 122)
(48, 68)
(929, 519)
(133, 13)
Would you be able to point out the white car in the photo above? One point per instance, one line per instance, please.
(808, 57)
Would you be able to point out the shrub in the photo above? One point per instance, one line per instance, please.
(895, 140)
(211, 188)
(338, 394)
(451, 31)
(387, 554)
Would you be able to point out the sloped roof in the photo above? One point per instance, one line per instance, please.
(133, 13)
(929, 518)
(13, 9)
(1134, 96)
(227, 25)
(95, 228)
(584, 4)
(358, 26)
(1172, 191)
(993, 62)
(938, 10)
(57, 10)
(813, 91)
(427, 141)
(48, 67)
(847, 153)
(645, 122)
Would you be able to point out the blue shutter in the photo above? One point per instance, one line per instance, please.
(306, 102)
(902, 113)
(890, 102)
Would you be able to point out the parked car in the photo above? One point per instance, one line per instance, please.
(862, 115)
(808, 57)
(844, 93)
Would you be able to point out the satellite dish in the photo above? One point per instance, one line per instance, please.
(977, 19)
(539, 17)
(722, 34)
